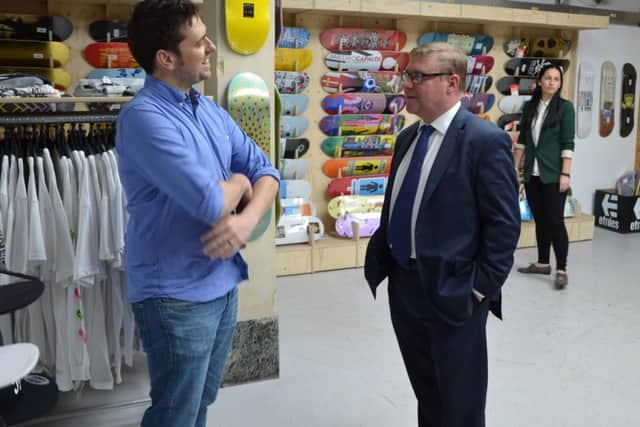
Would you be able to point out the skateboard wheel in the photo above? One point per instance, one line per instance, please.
(369, 85)
(388, 63)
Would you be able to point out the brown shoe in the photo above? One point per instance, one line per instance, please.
(562, 280)
(534, 269)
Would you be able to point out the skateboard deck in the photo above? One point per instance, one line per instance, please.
(279, 18)
(584, 106)
(478, 103)
(288, 59)
(249, 104)
(478, 44)
(108, 31)
(368, 223)
(362, 124)
(57, 76)
(294, 105)
(478, 83)
(358, 103)
(290, 188)
(291, 82)
(294, 37)
(372, 185)
(367, 60)
(509, 122)
(296, 229)
(37, 28)
(109, 55)
(293, 168)
(362, 81)
(355, 166)
(362, 38)
(122, 73)
(531, 66)
(628, 99)
(241, 15)
(358, 146)
(293, 126)
(512, 85)
(342, 205)
(479, 64)
(23, 53)
(513, 103)
(277, 115)
(293, 148)
(607, 98)
(540, 47)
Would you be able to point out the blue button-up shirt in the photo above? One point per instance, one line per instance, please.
(173, 151)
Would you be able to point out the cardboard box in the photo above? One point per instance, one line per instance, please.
(616, 212)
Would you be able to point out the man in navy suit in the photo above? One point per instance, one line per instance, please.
(450, 224)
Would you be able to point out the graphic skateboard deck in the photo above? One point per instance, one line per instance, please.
(372, 185)
(540, 47)
(512, 85)
(296, 229)
(368, 223)
(362, 124)
(479, 64)
(23, 53)
(362, 81)
(294, 37)
(279, 18)
(478, 103)
(108, 31)
(478, 44)
(367, 60)
(294, 105)
(241, 15)
(358, 103)
(343, 205)
(293, 148)
(37, 28)
(628, 99)
(109, 55)
(513, 103)
(362, 38)
(249, 105)
(584, 106)
(293, 126)
(358, 146)
(57, 76)
(291, 82)
(607, 97)
(531, 66)
(118, 73)
(293, 168)
(288, 59)
(478, 83)
(510, 122)
(355, 166)
(290, 188)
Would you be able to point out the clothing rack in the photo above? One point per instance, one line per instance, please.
(71, 117)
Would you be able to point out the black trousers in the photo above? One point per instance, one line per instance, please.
(447, 365)
(547, 206)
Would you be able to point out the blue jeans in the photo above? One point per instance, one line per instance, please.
(187, 346)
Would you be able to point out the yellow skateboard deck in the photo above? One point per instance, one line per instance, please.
(247, 24)
(289, 59)
(24, 53)
(57, 76)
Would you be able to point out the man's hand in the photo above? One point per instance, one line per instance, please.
(227, 235)
(564, 183)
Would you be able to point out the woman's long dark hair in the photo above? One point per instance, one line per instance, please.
(553, 110)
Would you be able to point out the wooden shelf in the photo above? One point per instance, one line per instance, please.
(67, 99)
(449, 12)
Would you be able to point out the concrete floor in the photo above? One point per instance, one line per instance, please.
(567, 358)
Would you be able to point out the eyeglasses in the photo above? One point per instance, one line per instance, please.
(417, 77)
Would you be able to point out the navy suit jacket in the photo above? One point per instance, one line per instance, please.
(468, 225)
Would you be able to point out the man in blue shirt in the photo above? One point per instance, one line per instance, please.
(186, 167)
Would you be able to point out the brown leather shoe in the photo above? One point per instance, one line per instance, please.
(562, 280)
(534, 269)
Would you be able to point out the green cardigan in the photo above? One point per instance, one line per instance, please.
(551, 143)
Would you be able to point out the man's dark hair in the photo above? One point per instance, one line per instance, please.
(158, 24)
